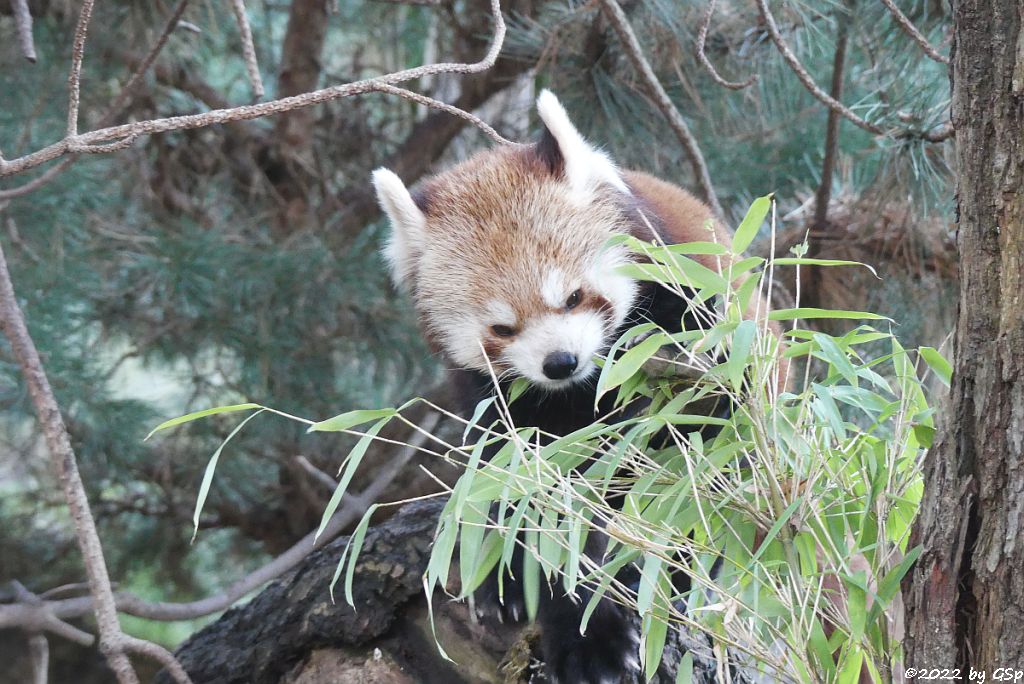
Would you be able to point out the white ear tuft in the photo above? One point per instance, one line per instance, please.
(586, 167)
(408, 224)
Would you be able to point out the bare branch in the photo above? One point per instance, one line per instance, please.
(319, 476)
(159, 654)
(23, 25)
(620, 22)
(911, 30)
(38, 182)
(805, 77)
(12, 322)
(39, 654)
(255, 111)
(113, 111)
(33, 615)
(445, 107)
(252, 67)
(140, 71)
(75, 77)
(702, 37)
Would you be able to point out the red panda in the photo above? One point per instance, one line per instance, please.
(506, 257)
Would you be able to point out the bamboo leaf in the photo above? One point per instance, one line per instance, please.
(751, 224)
(195, 415)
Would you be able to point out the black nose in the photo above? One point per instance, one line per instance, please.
(559, 365)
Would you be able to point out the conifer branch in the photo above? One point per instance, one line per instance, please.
(115, 109)
(702, 37)
(806, 78)
(912, 31)
(613, 11)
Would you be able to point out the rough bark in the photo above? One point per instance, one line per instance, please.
(966, 600)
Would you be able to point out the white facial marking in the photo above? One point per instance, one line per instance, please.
(579, 333)
(553, 289)
(500, 313)
(618, 289)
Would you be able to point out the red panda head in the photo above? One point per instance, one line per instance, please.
(506, 254)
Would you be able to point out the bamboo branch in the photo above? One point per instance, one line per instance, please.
(252, 67)
(613, 11)
(112, 639)
(702, 37)
(255, 111)
(911, 30)
(23, 25)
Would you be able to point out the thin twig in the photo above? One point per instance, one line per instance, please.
(12, 323)
(75, 76)
(319, 476)
(805, 77)
(159, 654)
(115, 109)
(702, 37)
(39, 652)
(620, 23)
(911, 30)
(444, 107)
(23, 25)
(23, 615)
(255, 111)
(140, 71)
(252, 67)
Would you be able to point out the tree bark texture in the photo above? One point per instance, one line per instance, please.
(966, 600)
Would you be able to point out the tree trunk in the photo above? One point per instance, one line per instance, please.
(966, 594)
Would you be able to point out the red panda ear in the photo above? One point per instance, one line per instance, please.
(567, 154)
(408, 225)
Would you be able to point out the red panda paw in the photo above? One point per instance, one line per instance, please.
(609, 652)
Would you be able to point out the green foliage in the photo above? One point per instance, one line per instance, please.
(790, 518)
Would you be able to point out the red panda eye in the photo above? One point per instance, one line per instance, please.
(502, 330)
(574, 299)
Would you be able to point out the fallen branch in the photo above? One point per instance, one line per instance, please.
(613, 11)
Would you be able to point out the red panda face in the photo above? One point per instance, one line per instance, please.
(507, 259)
